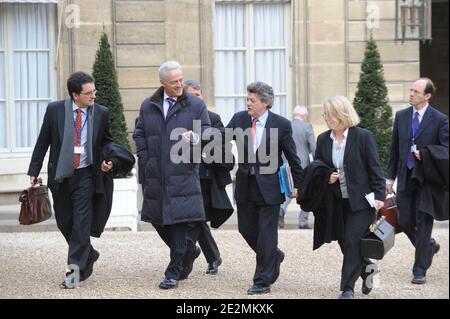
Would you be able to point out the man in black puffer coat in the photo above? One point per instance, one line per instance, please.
(166, 136)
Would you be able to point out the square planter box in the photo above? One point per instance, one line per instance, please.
(124, 211)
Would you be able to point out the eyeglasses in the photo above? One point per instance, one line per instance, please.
(94, 92)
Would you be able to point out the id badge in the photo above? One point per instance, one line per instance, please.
(413, 148)
(79, 150)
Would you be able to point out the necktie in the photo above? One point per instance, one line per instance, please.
(414, 128)
(254, 121)
(76, 132)
(171, 102)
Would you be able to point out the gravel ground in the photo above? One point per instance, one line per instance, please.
(131, 265)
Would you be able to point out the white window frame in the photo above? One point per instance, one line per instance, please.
(249, 51)
(11, 149)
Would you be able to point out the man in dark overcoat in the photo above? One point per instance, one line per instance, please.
(213, 179)
(415, 127)
(167, 137)
(76, 129)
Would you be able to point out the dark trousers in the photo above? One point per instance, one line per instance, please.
(258, 224)
(208, 244)
(417, 226)
(205, 239)
(356, 225)
(180, 238)
(73, 212)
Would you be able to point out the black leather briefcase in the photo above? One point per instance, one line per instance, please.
(379, 240)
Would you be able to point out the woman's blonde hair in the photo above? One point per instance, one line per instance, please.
(341, 109)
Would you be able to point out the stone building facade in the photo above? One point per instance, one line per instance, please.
(318, 46)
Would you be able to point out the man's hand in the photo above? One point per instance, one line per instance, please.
(378, 204)
(190, 136)
(106, 166)
(389, 188)
(417, 155)
(333, 178)
(33, 180)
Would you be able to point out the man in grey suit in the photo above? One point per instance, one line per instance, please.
(305, 142)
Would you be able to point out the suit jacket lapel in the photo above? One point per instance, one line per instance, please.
(407, 123)
(60, 116)
(328, 150)
(95, 126)
(426, 121)
(248, 125)
(266, 132)
(351, 139)
(173, 109)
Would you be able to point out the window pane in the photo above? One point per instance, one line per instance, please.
(270, 64)
(29, 116)
(2, 76)
(279, 105)
(31, 70)
(2, 26)
(230, 78)
(229, 73)
(30, 26)
(226, 107)
(229, 26)
(2, 125)
(271, 68)
(2, 100)
(269, 34)
(31, 75)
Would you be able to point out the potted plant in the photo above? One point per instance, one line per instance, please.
(124, 212)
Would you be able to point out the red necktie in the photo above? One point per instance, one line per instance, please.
(254, 129)
(76, 131)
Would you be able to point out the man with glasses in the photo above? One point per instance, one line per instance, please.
(76, 129)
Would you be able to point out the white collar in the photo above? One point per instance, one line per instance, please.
(75, 107)
(263, 118)
(166, 96)
(421, 112)
(333, 137)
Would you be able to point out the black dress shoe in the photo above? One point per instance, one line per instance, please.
(347, 294)
(277, 265)
(188, 263)
(436, 248)
(213, 267)
(258, 290)
(168, 283)
(419, 280)
(93, 257)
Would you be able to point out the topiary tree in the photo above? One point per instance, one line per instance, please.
(371, 101)
(108, 93)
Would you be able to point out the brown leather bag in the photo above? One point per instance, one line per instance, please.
(390, 212)
(36, 206)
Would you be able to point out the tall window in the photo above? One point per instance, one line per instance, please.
(3, 130)
(26, 73)
(251, 44)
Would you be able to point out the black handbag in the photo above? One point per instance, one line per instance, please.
(379, 240)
